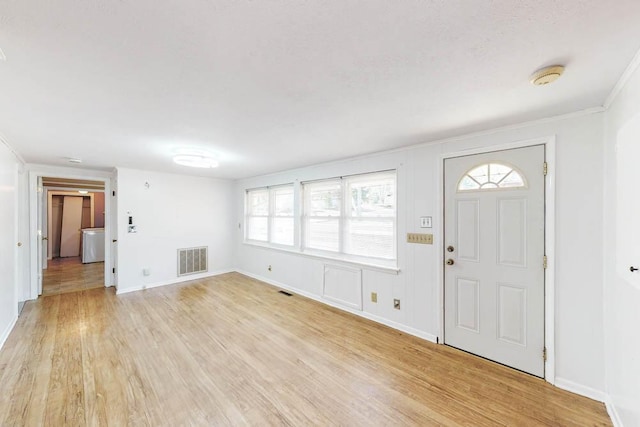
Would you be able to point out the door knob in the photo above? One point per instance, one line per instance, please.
(19, 244)
(450, 262)
(450, 249)
(632, 269)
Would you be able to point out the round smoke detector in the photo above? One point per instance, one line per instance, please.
(547, 75)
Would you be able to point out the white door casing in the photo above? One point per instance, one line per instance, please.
(113, 224)
(494, 291)
(40, 250)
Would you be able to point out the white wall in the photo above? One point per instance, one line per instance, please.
(579, 189)
(622, 288)
(175, 211)
(8, 249)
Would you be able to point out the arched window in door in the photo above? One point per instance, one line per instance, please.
(492, 176)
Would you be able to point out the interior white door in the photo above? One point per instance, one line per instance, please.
(45, 228)
(71, 225)
(111, 221)
(628, 204)
(41, 254)
(494, 249)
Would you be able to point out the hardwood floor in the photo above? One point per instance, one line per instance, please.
(230, 350)
(64, 275)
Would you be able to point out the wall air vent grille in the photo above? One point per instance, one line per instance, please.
(192, 260)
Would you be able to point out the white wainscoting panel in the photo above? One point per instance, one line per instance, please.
(343, 286)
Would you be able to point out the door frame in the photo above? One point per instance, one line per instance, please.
(49, 193)
(549, 144)
(38, 171)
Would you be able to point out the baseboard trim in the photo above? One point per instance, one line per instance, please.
(613, 413)
(398, 326)
(142, 287)
(7, 331)
(580, 389)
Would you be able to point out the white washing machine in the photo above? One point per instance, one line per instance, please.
(92, 245)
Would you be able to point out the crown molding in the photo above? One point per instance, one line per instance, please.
(622, 82)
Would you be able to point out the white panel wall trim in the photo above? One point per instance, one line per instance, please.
(398, 326)
(343, 286)
(182, 279)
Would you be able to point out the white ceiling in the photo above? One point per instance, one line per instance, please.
(274, 84)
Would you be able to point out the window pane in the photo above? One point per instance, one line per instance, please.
(322, 198)
(373, 197)
(491, 176)
(468, 184)
(498, 171)
(480, 174)
(370, 238)
(258, 202)
(322, 233)
(282, 231)
(283, 201)
(257, 228)
(512, 180)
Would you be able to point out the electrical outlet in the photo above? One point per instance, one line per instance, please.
(374, 297)
(396, 304)
(269, 268)
(421, 238)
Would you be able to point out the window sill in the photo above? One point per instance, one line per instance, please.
(337, 259)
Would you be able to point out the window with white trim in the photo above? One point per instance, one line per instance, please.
(269, 215)
(354, 215)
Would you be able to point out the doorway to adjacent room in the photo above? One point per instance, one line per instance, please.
(73, 238)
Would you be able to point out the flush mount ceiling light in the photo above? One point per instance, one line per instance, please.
(83, 191)
(547, 75)
(195, 160)
(73, 160)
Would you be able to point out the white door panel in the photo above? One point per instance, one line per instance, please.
(494, 235)
(628, 176)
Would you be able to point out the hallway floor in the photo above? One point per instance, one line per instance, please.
(71, 275)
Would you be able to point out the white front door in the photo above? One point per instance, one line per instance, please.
(494, 251)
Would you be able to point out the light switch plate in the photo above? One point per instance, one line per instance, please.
(421, 238)
(425, 222)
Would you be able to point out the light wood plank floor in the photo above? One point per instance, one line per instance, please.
(230, 350)
(64, 275)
